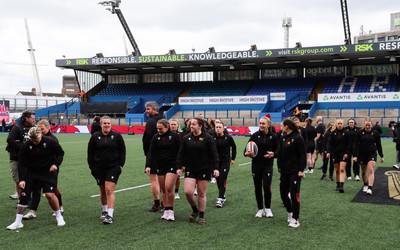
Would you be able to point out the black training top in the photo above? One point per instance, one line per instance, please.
(198, 152)
(163, 150)
(149, 131)
(17, 136)
(367, 143)
(265, 142)
(339, 143)
(352, 133)
(224, 145)
(38, 159)
(291, 154)
(106, 151)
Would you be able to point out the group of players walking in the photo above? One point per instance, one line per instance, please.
(200, 153)
(298, 147)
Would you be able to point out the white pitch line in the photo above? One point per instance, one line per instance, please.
(124, 189)
(247, 163)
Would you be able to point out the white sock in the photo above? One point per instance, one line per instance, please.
(58, 213)
(18, 218)
(105, 208)
(111, 212)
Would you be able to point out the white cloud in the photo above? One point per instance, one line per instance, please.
(77, 28)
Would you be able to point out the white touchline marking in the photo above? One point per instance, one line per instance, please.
(126, 189)
(247, 163)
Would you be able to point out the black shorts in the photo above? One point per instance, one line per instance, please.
(103, 175)
(165, 170)
(365, 158)
(320, 147)
(310, 149)
(338, 159)
(47, 182)
(202, 174)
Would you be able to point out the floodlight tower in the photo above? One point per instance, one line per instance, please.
(286, 25)
(114, 9)
(33, 60)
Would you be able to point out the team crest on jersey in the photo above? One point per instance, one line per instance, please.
(158, 138)
(200, 138)
(112, 137)
(99, 137)
(44, 145)
(30, 147)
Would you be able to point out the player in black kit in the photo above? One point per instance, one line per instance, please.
(262, 166)
(44, 126)
(39, 160)
(162, 155)
(338, 148)
(106, 158)
(352, 131)
(198, 153)
(366, 143)
(291, 154)
(150, 130)
(225, 144)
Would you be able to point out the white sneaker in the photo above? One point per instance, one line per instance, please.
(349, 178)
(14, 196)
(171, 215)
(294, 223)
(395, 166)
(357, 178)
(29, 215)
(15, 225)
(213, 180)
(268, 213)
(289, 217)
(60, 221)
(260, 213)
(165, 215)
(177, 197)
(219, 202)
(195, 191)
(369, 192)
(365, 189)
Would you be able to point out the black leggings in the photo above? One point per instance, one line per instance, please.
(356, 166)
(291, 183)
(262, 178)
(221, 179)
(325, 165)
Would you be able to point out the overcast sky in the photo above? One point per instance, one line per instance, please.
(82, 28)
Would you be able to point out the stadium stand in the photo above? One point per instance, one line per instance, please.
(228, 88)
(361, 84)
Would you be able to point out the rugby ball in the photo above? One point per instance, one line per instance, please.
(252, 147)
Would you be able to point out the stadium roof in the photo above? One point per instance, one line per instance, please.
(335, 55)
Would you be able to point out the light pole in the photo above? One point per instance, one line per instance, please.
(286, 25)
